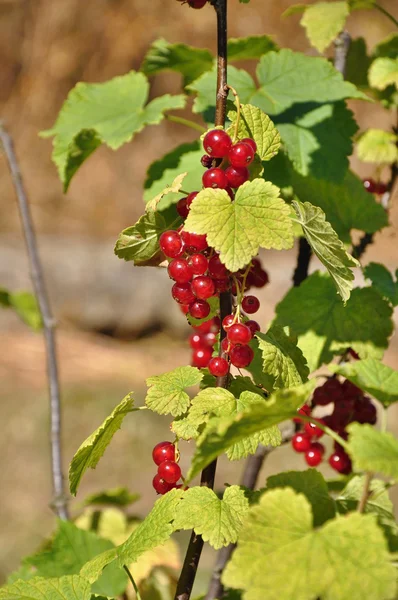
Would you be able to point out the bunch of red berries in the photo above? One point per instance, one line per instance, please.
(164, 455)
(349, 404)
(375, 187)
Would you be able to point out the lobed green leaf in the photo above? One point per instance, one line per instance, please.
(323, 21)
(378, 146)
(371, 376)
(65, 588)
(383, 281)
(256, 124)
(166, 393)
(373, 450)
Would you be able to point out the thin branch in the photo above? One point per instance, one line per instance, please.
(195, 546)
(303, 262)
(341, 47)
(59, 502)
(365, 492)
(130, 576)
(386, 13)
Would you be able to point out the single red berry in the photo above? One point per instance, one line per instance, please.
(251, 143)
(198, 264)
(179, 270)
(228, 321)
(237, 175)
(256, 264)
(161, 486)
(217, 143)
(221, 285)
(240, 155)
(313, 456)
(218, 366)
(169, 471)
(365, 411)
(305, 410)
(215, 178)
(313, 430)
(340, 462)
(182, 293)
(250, 304)
(239, 334)
(210, 338)
(184, 204)
(253, 326)
(226, 345)
(197, 340)
(184, 308)
(201, 357)
(195, 3)
(206, 161)
(216, 268)
(301, 442)
(171, 243)
(260, 278)
(370, 185)
(163, 451)
(193, 242)
(241, 356)
(200, 309)
(203, 287)
(381, 188)
(319, 446)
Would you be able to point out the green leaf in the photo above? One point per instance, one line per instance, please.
(374, 378)
(64, 588)
(383, 72)
(189, 61)
(249, 47)
(258, 217)
(323, 21)
(382, 281)
(205, 87)
(327, 246)
(94, 447)
(373, 450)
(140, 242)
(110, 113)
(119, 496)
(358, 63)
(387, 48)
(174, 188)
(312, 485)
(70, 549)
(220, 434)
(217, 521)
(288, 77)
(325, 327)
(25, 305)
(282, 361)
(344, 559)
(184, 158)
(378, 146)
(256, 124)
(214, 302)
(166, 393)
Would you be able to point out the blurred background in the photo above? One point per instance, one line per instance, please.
(118, 324)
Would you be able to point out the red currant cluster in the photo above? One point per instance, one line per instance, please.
(375, 187)
(199, 274)
(164, 455)
(350, 404)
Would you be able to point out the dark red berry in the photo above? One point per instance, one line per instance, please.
(182, 293)
(381, 188)
(198, 264)
(241, 356)
(215, 178)
(203, 287)
(217, 143)
(253, 326)
(180, 271)
(228, 321)
(250, 304)
(340, 462)
(251, 143)
(313, 456)
(195, 3)
(161, 486)
(240, 155)
(201, 357)
(169, 471)
(313, 430)
(218, 366)
(239, 334)
(194, 242)
(259, 278)
(200, 309)
(319, 446)
(171, 243)
(365, 411)
(304, 410)
(370, 185)
(184, 204)
(216, 268)
(221, 285)
(301, 442)
(163, 451)
(206, 161)
(237, 176)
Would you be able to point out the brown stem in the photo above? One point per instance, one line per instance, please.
(365, 492)
(195, 546)
(59, 502)
(341, 47)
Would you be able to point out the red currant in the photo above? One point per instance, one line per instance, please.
(237, 176)
(215, 178)
(210, 338)
(301, 442)
(163, 451)
(212, 325)
(184, 204)
(239, 334)
(365, 411)
(340, 462)
(313, 456)
(171, 243)
(200, 309)
(221, 285)
(305, 411)
(370, 185)
(240, 155)
(218, 366)
(201, 357)
(194, 242)
(203, 287)
(217, 143)
(313, 430)
(197, 340)
(241, 356)
(319, 446)
(179, 270)
(228, 321)
(216, 268)
(198, 264)
(226, 345)
(250, 304)
(169, 471)
(253, 326)
(206, 161)
(182, 293)
(161, 486)
(260, 278)
(251, 143)
(196, 3)
(381, 188)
